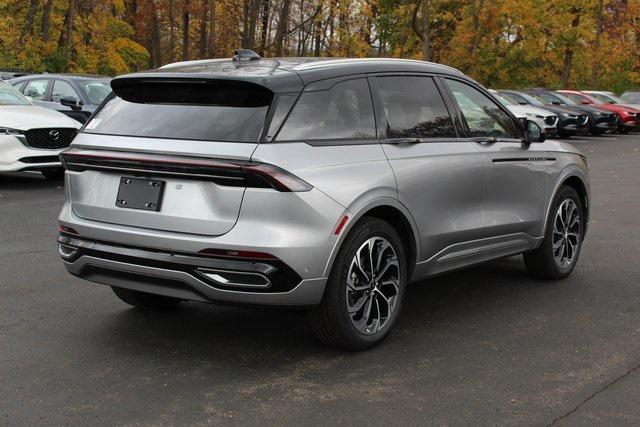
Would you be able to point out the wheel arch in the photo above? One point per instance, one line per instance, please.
(397, 215)
(578, 181)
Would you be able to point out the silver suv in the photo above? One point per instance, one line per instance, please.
(325, 184)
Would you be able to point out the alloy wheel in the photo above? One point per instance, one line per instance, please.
(373, 285)
(566, 233)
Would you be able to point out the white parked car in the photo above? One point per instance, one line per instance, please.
(545, 119)
(32, 137)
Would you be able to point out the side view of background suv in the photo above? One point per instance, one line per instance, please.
(326, 184)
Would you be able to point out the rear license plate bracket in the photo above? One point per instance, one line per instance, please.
(139, 193)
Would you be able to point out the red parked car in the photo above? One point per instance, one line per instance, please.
(629, 118)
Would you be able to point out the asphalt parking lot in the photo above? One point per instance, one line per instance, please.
(483, 346)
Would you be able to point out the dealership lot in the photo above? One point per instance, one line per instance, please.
(481, 346)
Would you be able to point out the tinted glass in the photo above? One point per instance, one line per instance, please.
(36, 89)
(576, 98)
(344, 111)
(212, 112)
(283, 106)
(62, 89)
(631, 97)
(483, 116)
(414, 108)
(96, 90)
(10, 96)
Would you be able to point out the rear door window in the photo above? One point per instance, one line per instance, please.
(414, 108)
(342, 112)
(213, 111)
(36, 89)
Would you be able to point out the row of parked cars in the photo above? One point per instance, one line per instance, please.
(564, 113)
(41, 114)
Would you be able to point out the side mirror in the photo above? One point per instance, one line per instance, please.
(556, 103)
(69, 101)
(585, 102)
(532, 132)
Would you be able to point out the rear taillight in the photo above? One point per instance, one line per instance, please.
(224, 172)
(227, 253)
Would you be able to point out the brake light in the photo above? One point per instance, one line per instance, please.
(222, 171)
(236, 254)
(67, 230)
(278, 178)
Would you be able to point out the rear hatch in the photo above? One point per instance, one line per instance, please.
(168, 155)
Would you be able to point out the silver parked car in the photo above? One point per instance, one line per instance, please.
(325, 184)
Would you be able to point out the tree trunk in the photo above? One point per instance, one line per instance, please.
(476, 10)
(596, 45)
(422, 30)
(569, 50)
(66, 36)
(172, 26)
(185, 31)
(155, 38)
(212, 29)
(28, 22)
(426, 53)
(204, 18)
(265, 25)
(46, 21)
(318, 30)
(282, 27)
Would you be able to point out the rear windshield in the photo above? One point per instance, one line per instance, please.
(229, 111)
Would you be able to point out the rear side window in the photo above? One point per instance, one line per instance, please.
(414, 108)
(210, 111)
(344, 111)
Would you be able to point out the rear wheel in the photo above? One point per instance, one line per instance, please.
(145, 300)
(53, 174)
(365, 290)
(558, 254)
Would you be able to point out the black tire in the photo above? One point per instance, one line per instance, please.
(145, 300)
(624, 129)
(330, 320)
(53, 174)
(541, 262)
(596, 132)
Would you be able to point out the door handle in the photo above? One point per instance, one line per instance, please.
(485, 139)
(402, 141)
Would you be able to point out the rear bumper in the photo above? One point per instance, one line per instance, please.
(189, 276)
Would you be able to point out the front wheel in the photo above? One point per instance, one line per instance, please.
(365, 290)
(557, 256)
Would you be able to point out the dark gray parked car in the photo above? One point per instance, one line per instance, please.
(77, 96)
(327, 184)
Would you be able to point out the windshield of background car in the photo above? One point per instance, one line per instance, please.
(503, 99)
(631, 97)
(95, 90)
(10, 96)
(565, 99)
(532, 99)
(210, 111)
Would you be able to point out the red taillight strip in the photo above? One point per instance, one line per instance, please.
(236, 254)
(223, 172)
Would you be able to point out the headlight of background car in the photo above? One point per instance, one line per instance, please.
(10, 131)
